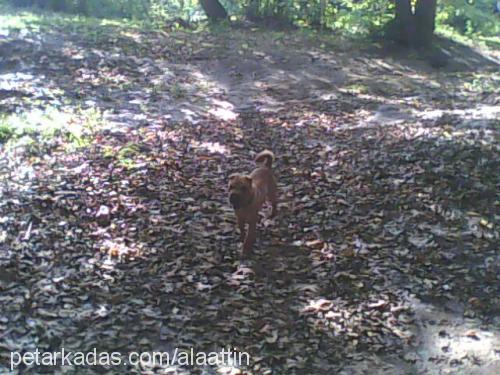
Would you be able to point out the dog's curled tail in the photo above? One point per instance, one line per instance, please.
(266, 157)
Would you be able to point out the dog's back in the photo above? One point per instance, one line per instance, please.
(263, 178)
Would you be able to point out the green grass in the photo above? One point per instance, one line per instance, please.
(72, 128)
(492, 42)
(483, 42)
(6, 131)
(125, 156)
(36, 20)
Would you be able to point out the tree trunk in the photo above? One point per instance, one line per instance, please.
(322, 11)
(403, 21)
(55, 5)
(252, 11)
(213, 9)
(81, 7)
(425, 16)
(414, 28)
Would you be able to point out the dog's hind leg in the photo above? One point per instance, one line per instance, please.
(272, 198)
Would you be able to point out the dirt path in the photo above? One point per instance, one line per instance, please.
(383, 258)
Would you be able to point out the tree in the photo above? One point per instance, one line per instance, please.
(414, 27)
(425, 18)
(213, 9)
(252, 10)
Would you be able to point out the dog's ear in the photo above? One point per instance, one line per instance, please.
(233, 176)
(248, 180)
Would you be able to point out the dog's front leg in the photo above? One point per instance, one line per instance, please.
(250, 237)
(241, 225)
(274, 209)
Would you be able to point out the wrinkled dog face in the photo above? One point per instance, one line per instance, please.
(240, 190)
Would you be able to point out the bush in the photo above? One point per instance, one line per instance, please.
(475, 17)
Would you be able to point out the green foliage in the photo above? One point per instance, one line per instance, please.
(155, 11)
(360, 17)
(467, 17)
(159, 11)
(474, 17)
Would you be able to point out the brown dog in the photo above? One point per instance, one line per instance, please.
(247, 194)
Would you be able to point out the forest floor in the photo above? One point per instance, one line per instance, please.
(382, 259)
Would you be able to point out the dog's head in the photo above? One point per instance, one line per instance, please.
(240, 190)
